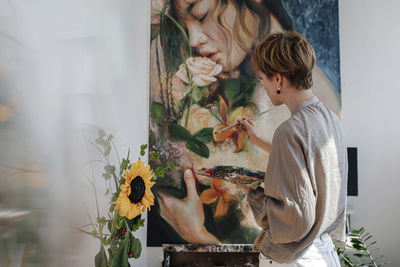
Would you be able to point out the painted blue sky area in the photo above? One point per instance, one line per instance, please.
(318, 21)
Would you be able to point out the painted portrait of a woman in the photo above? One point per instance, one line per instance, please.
(202, 80)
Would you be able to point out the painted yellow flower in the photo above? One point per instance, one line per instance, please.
(217, 191)
(228, 119)
(135, 195)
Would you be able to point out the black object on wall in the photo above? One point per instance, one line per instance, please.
(352, 178)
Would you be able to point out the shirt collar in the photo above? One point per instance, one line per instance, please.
(304, 103)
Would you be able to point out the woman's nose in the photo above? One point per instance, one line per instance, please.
(196, 35)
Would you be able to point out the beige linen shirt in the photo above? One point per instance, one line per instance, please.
(305, 184)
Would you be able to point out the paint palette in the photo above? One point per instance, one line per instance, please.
(236, 175)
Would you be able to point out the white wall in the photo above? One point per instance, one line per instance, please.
(89, 61)
(370, 56)
(72, 64)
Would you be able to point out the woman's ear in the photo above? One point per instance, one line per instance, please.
(278, 79)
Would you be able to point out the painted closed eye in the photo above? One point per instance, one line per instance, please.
(203, 17)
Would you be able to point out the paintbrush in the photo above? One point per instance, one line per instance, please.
(236, 124)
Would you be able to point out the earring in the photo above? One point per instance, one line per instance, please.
(279, 90)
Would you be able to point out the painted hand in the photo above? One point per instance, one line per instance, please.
(186, 215)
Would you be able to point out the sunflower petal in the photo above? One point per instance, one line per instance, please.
(133, 212)
(208, 196)
(125, 188)
(222, 208)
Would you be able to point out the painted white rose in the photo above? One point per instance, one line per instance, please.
(202, 69)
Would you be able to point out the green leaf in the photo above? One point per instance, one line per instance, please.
(198, 147)
(160, 172)
(179, 132)
(124, 166)
(100, 141)
(121, 257)
(155, 156)
(101, 133)
(143, 147)
(94, 233)
(204, 135)
(171, 166)
(107, 150)
(111, 253)
(136, 248)
(143, 150)
(110, 137)
(199, 93)
(100, 260)
(109, 169)
(106, 176)
(158, 113)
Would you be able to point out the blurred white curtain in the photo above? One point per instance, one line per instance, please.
(70, 64)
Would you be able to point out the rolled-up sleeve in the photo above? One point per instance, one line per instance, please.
(258, 200)
(288, 202)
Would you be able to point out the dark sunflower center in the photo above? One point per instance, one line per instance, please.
(137, 190)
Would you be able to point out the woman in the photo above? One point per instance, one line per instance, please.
(304, 196)
(227, 32)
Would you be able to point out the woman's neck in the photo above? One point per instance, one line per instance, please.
(297, 96)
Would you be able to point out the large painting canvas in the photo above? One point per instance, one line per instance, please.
(202, 79)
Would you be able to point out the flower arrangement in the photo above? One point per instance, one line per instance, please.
(129, 190)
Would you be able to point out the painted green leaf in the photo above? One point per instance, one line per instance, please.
(171, 166)
(232, 88)
(158, 112)
(100, 260)
(179, 132)
(198, 147)
(199, 93)
(155, 156)
(121, 257)
(204, 135)
(239, 91)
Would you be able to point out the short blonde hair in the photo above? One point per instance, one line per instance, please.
(288, 53)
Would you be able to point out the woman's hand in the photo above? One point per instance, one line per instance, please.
(186, 215)
(246, 125)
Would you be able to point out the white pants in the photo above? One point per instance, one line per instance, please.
(320, 254)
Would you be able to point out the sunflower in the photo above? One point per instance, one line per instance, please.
(135, 195)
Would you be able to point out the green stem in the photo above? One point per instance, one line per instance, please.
(126, 226)
(188, 111)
